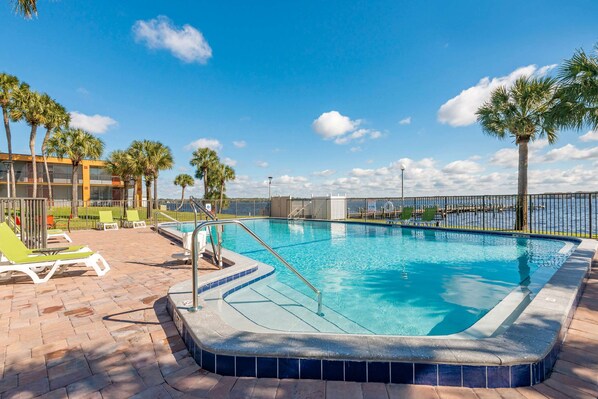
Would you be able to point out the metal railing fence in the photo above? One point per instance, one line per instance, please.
(570, 214)
(26, 217)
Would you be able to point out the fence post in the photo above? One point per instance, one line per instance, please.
(483, 212)
(590, 212)
(530, 210)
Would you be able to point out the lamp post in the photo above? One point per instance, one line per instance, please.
(270, 194)
(402, 187)
(7, 165)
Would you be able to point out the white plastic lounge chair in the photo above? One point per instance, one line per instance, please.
(133, 220)
(106, 222)
(19, 258)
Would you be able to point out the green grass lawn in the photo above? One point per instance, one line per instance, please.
(88, 216)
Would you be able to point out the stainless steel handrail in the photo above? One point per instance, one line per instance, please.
(217, 258)
(194, 256)
(163, 214)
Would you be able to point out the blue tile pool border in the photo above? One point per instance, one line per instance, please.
(242, 364)
(364, 370)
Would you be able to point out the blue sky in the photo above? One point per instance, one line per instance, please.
(326, 97)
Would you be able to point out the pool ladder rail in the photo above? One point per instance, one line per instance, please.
(195, 257)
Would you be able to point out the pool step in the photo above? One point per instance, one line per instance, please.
(276, 306)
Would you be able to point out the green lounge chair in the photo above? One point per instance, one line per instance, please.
(106, 222)
(16, 257)
(405, 215)
(133, 220)
(428, 216)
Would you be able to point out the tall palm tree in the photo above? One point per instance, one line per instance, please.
(184, 180)
(579, 90)
(226, 173)
(26, 8)
(30, 107)
(139, 154)
(77, 145)
(56, 118)
(150, 158)
(120, 163)
(524, 112)
(9, 84)
(160, 158)
(204, 159)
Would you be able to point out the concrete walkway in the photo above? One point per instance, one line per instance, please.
(80, 336)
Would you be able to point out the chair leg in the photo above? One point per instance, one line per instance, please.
(94, 262)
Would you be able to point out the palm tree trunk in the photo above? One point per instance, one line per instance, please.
(182, 198)
(11, 172)
(48, 182)
(156, 192)
(134, 201)
(125, 198)
(521, 208)
(205, 183)
(148, 195)
(221, 196)
(75, 192)
(33, 160)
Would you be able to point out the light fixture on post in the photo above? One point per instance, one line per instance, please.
(270, 194)
(7, 165)
(402, 187)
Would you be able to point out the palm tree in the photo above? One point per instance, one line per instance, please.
(204, 159)
(139, 155)
(160, 158)
(150, 158)
(77, 145)
(9, 84)
(56, 118)
(524, 112)
(579, 90)
(120, 163)
(30, 107)
(184, 180)
(226, 173)
(26, 8)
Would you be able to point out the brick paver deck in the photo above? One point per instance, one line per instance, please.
(81, 336)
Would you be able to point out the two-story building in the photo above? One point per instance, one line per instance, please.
(95, 182)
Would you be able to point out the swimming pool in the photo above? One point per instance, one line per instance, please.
(385, 280)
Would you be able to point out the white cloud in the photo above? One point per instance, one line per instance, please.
(325, 172)
(332, 124)
(262, 164)
(355, 149)
(506, 157)
(212, 144)
(185, 43)
(460, 110)
(229, 161)
(359, 172)
(286, 179)
(569, 153)
(463, 167)
(97, 124)
(592, 135)
(83, 91)
(405, 121)
(240, 143)
(342, 129)
(509, 157)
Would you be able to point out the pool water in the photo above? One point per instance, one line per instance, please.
(400, 281)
